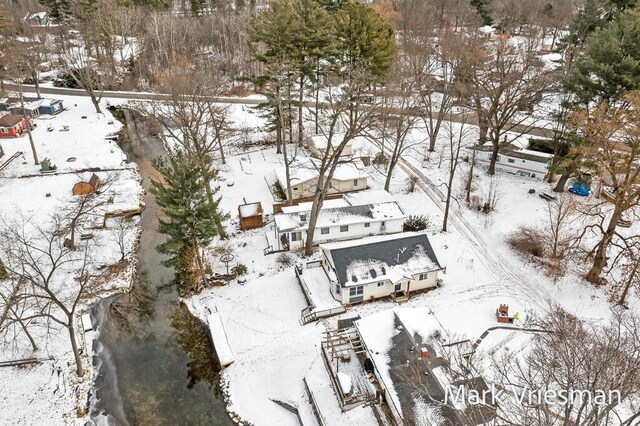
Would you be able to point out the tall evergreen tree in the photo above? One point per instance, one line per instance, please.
(611, 65)
(367, 41)
(273, 41)
(189, 218)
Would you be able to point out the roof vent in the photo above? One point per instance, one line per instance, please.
(372, 272)
(354, 278)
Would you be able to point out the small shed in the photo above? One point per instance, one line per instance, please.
(250, 215)
(86, 188)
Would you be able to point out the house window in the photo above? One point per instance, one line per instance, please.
(498, 158)
(381, 283)
(294, 236)
(324, 231)
(511, 160)
(337, 288)
(344, 228)
(355, 182)
(423, 276)
(367, 225)
(356, 291)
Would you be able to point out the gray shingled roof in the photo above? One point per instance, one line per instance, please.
(395, 251)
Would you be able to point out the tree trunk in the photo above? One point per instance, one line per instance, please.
(95, 102)
(74, 347)
(313, 219)
(72, 238)
(432, 141)
(600, 258)
(470, 177)
(387, 181)
(287, 175)
(448, 202)
(24, 115)
(494, 158)
(278, 137)
(562, 182)
(36, 82)
(300, 124)
(627, 286)
(34, 347)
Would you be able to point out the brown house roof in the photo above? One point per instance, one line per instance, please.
(10, 120)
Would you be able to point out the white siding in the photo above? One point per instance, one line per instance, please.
(372, 291)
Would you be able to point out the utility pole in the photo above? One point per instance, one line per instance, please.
(24, 114)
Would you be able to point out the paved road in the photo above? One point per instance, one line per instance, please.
(454, 117)
(124, 95)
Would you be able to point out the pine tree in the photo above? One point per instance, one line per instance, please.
(611, 65)
(367, 41)
(273, 41)
(189, 218)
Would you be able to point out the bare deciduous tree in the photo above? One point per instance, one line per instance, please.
(501, 87)
(55, 279)
(344, 111)
(571, 356)
(458, 136)
(612, 150)
(88, 73)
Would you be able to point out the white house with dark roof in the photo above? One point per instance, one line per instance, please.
(381, 266)
(355, 215)
(303, 178)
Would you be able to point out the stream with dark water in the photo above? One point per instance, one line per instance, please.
(155, 362)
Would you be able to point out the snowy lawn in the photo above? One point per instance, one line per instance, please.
(50, 392)
(261, 316)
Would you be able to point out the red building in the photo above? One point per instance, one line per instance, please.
(12, 125)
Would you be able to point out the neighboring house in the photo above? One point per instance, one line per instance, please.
(318, 146)
(523, 162)
(303, 177)
(30, 109)
(381, 266)
(13, 102)
(355, 215)
(12, 125)
(33, 107)
(51, 106)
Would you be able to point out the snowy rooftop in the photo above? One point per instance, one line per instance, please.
(307, 169)
(320, 141)
(517, 152)
(391, 257)
(366, 206)
(250, 209)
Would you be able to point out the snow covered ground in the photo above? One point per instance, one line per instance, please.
(273, 351)
(74, 141)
